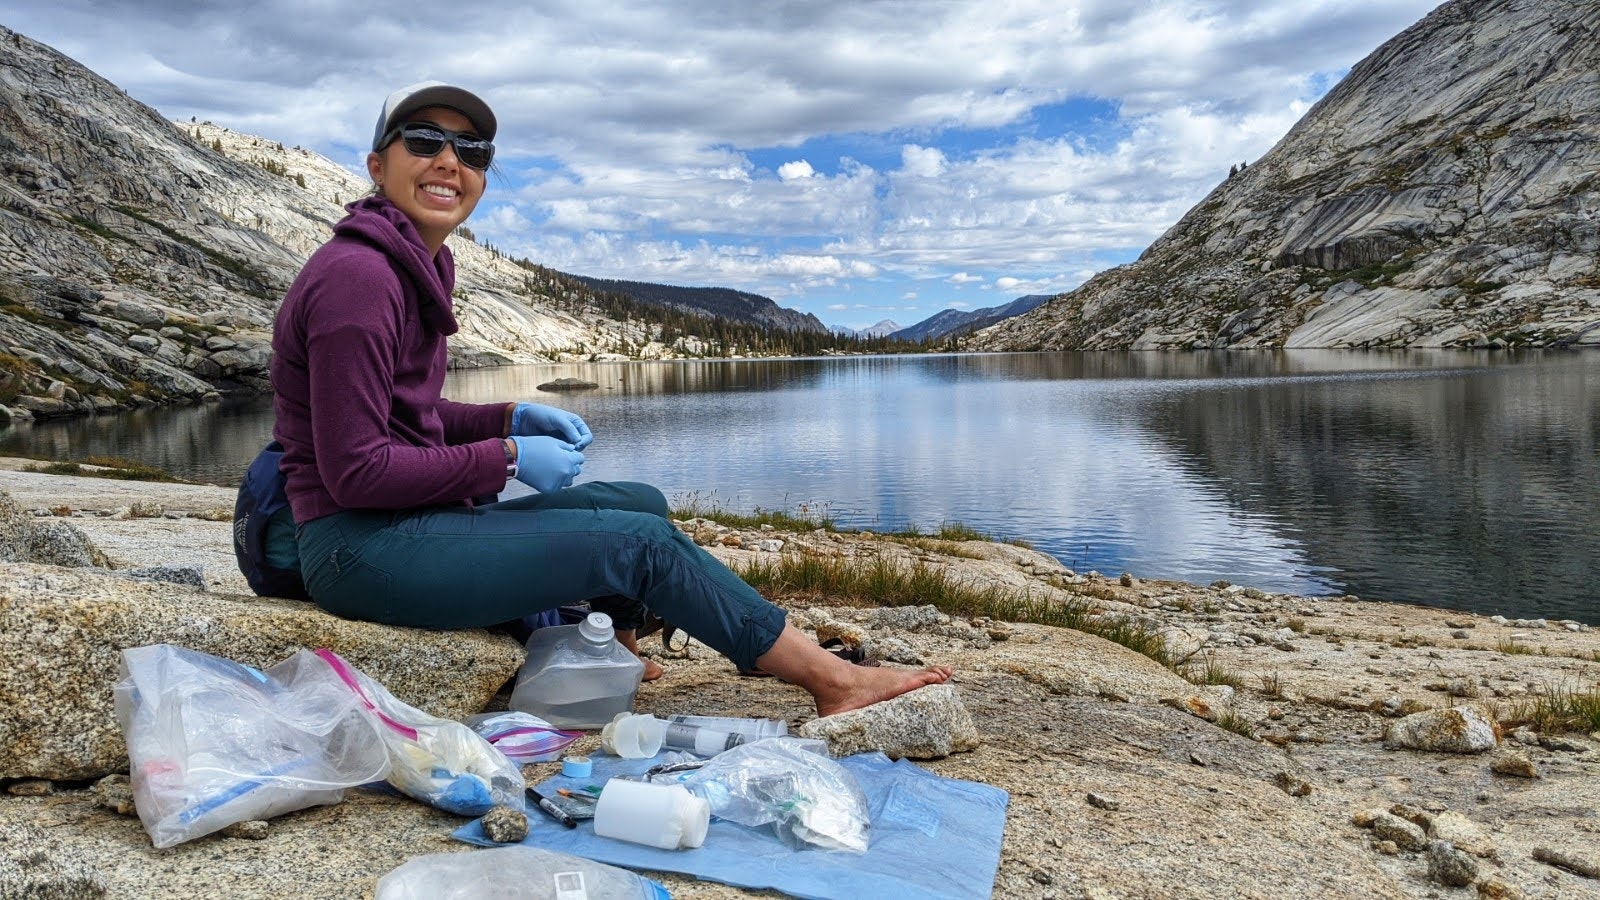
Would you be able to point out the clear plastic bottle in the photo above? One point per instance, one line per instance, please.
(577, 676)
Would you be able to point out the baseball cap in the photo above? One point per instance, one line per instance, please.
(402, 103)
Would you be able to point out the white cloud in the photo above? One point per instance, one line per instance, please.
(789, 171)
(921, 162)
(909, 295)
(630, 134)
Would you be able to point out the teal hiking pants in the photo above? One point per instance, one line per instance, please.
(448, 567)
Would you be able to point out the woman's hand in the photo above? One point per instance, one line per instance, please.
(546, 464)
(530, 419)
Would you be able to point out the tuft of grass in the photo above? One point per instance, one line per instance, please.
(804, 518)
(1229, 720)
(959, 531)
(1563, 708)
(1271, 684)
(108, 467)
(935, 545)
(883, 583)
(1511, 648)
(956, 531)
(1211, 671)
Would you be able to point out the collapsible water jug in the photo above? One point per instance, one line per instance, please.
(577, 676)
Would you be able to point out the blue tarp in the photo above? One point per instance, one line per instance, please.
(931, 837)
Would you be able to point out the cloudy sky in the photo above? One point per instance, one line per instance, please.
(857, 159)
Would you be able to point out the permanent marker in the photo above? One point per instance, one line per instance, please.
(552, 810)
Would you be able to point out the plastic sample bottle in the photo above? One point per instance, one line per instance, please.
(577, 676)
(656, 815)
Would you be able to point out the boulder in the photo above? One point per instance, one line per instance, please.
(1461, 833)
(51, 542)
(62, 632)
(927, 723)
(139, 314)
(1449, 866)
(1459, 729)
(1405, 835)
(568, 384)
(239, 362)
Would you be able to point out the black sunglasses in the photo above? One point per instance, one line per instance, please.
(428, 140)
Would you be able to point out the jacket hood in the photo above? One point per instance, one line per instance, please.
(380, 223)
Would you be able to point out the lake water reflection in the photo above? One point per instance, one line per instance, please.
(1465, 480)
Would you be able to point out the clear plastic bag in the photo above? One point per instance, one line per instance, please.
(523, 738)
(811, 800)
(513, 873)
(441, 762)
(212, 742)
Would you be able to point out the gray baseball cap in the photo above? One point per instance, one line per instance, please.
(406, 101)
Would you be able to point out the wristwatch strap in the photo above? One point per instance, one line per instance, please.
(511, 463)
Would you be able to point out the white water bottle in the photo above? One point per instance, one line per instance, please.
(656, 815)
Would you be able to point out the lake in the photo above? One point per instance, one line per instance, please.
(1466, 480)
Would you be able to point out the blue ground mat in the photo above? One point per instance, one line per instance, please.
(931, 837)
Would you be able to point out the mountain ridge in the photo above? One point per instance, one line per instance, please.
(720, 302)
(1443, 194)
(957, 322)
(142, 260)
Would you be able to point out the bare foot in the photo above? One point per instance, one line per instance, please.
(836, 685)
(866, 686)
(652, 669)
(630, 639)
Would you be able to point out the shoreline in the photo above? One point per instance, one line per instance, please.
(1285, 693)
(132, 489)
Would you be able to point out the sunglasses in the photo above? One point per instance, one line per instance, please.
(427, 140)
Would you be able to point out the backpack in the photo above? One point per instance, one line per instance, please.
(263, 530)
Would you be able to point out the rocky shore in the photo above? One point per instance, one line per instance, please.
(1343, 747)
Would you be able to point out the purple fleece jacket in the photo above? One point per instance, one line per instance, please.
(358, 362)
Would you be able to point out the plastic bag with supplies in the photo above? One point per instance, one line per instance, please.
(441, 762)
(810, 800)
(212, 742)
(513, 873)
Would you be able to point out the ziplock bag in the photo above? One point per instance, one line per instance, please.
(522, 737)
(212, 742)
(810, 800)
(441, 762)
(513, 873)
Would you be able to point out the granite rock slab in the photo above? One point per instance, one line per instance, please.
(62, 632)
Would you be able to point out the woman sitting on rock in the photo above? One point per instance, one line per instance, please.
(380, 467)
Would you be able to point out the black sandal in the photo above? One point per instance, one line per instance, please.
(654, 623)
(853, 655)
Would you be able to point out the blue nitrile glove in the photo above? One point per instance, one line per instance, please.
(546, 464)
(536, 418)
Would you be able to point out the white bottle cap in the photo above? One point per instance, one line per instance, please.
(596, 628)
